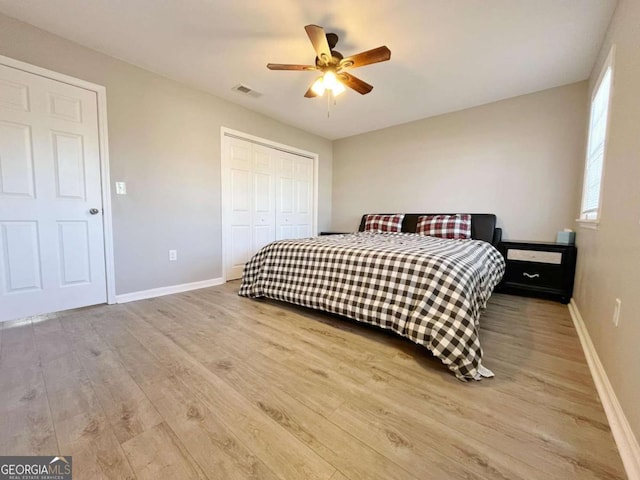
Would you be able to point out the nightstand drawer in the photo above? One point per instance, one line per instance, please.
(543, 275)
(534, 256)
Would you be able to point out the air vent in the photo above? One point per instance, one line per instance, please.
(245, 90)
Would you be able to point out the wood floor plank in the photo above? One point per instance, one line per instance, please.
(25, 419)
(126, 407)
(209, 384)
(51, 339)
(208, 440)
(158, 453)
(82, 428)
(339, 476)
(19, 345)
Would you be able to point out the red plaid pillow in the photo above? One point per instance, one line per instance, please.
(384, 223)
(445, 226)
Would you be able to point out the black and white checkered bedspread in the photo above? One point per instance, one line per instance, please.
(427, 289)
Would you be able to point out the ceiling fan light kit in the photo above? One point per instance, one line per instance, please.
(332, 64)
(329, 81)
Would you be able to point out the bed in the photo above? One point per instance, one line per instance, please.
(428, 289)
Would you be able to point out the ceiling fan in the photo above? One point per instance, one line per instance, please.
(333, 65)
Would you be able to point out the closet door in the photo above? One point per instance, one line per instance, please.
(285, 194)
(263, 212)
(294, 195)
(238, 202)
(250, 202)
(303, 207)
(267, 196)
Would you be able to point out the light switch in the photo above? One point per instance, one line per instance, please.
(121, 188)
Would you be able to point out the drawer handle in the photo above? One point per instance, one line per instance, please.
(529, 275)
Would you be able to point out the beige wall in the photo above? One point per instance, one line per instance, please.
(164, 141)
(609, 258)
(518, 158)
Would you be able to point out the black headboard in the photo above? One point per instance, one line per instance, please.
(483, 225)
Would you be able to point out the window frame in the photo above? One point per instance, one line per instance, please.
(584, 219)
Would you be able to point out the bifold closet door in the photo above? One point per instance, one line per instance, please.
(263, 202)
(294, 195)
(269, 196)
(238, 203)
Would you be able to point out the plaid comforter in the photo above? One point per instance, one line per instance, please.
(427, 289)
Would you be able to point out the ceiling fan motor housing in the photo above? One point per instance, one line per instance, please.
(332, 40)
(336, 57)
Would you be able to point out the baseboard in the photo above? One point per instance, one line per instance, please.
(159, 292)
(622, 433)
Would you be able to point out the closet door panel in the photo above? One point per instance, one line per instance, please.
(263, 214)
(285, 195)
(239, 206)
(303, 210)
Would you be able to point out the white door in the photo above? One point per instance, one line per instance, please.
(51, 241)
(263, 213)
(267, 196)
(285, 165)
(294, 195)
(251, 202)
(303, 213)
(237, 202)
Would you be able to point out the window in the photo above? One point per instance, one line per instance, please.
(597, 143)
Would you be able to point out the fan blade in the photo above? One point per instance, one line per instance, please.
(310, 93)
(284, 66)
(355, 83)
(380, 54)
(319, 41)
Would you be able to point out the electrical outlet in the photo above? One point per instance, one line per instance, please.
(616, 312)
(173, 255)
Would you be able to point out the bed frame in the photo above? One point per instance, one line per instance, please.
(483, 225)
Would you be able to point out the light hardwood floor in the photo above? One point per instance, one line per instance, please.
(207, 384)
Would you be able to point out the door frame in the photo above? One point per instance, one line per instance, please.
(103, 146)
(225, 135)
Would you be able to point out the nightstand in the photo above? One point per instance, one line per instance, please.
(539, 269)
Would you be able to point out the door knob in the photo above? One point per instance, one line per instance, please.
(94, 211)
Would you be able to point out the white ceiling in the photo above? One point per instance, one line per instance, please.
(446, 54)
